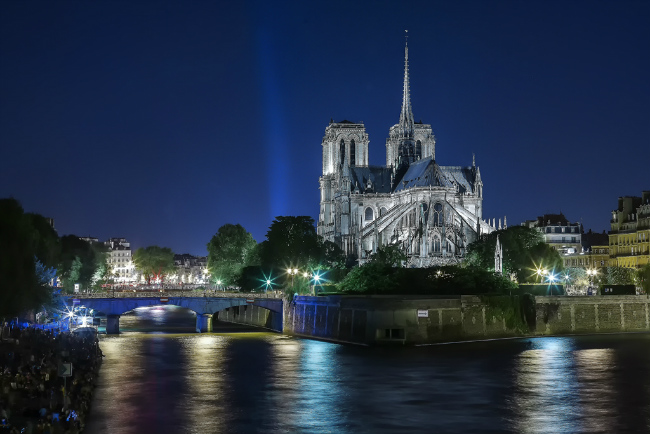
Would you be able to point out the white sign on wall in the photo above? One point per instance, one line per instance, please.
(423, 313)
(76, 287)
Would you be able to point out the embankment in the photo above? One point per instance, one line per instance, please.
(416, 320)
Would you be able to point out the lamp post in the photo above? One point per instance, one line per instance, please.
(292, 272)
(316, 282)
(591, 272)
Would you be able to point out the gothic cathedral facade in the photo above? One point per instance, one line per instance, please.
(432, 212)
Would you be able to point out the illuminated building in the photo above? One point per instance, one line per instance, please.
(432, 212)
(558, 232)
(629, 238)
(190, 268)
(594, 254)
(119, 260)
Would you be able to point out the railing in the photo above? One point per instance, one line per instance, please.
(164, 294)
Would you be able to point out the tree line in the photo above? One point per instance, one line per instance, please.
(32, 255)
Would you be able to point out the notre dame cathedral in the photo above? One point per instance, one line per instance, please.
(432, 212)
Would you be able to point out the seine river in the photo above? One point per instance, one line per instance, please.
(161, 377)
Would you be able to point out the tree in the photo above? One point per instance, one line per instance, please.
(524, 251)
(229, 251)
(618, 276)
(21, 288)
(154, 262)
(643, 275)
(292, 242)
(390, 255)
(81, 262)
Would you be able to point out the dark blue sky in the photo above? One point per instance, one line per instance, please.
(161, 121)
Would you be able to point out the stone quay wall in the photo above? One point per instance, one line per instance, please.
(252, 315)
(369, 320)
(417, 320)
(592, 314)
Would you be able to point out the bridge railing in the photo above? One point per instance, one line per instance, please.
(167, 293)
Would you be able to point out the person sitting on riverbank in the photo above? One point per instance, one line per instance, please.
(31, 392)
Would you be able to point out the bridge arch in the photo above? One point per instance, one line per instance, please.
(204, 307)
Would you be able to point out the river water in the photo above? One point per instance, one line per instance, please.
(161, 377)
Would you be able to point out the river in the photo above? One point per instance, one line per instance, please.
(160, 377)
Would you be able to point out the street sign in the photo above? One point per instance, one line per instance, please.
(76, 287)
(164, 299)
(250, 300)
(423, 313)
(65, 370)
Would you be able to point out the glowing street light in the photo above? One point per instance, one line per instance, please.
(316, 278)
(591, 272)
(292, 272)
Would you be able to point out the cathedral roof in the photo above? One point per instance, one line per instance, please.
(427, 173)
(379, 177)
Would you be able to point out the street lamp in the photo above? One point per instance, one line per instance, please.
(316, 278)
(292, 272)
(591, 272)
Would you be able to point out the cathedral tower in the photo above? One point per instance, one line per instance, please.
(408, 141)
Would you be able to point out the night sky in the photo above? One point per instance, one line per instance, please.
(161, 121)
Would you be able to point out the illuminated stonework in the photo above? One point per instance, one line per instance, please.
(433, 212)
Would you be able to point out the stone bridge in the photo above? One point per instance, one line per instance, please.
(205, 306)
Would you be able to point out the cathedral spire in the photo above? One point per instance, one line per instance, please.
(406, 116)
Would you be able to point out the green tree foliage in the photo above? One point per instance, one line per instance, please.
(577, 276)
(524, 250)
(81, 262)
(47, 245)
(390, 255)
(291, 242)
(376, 277)
(371, 278)
(229, 251)
(643, 276)
(21, 288)
(618, 276)
(154, 262)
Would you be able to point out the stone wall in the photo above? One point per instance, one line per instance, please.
(415, 320)
(597, 314)
(389, 319)
(252, 315)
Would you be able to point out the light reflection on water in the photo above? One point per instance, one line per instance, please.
(268, 383)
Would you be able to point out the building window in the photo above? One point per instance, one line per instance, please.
(342, 152)
(436, 245)
(418, 150)
(383, 211)
(370, 216)
(353, 152)
(437, 215)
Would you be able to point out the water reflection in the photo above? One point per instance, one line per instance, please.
(204, 374)
(546, 388)
(268, 383)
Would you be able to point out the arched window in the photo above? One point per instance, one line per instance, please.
(418, 150)
(342, 152)
(353, 152)
(437, 215)
(383, 211)
(436, 245)
(370, 215)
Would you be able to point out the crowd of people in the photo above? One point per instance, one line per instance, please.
(34, 398)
